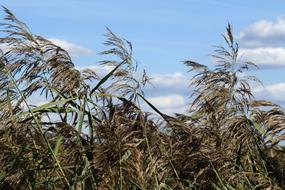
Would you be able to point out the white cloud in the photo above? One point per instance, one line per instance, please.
(72, 48)
(274, 92)
(100, 70)
(264, 42)
(169, 104)
(4, 47)
(175, 82)
(277, 91)
(171, 111)
(173, 100)
(175, 86)
(263, 32)
(274, 56)
(175, 79)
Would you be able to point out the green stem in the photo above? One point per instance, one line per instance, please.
(39, 128)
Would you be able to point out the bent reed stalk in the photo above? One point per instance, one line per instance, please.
(99, 137)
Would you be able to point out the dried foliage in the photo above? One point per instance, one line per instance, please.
(98, 137)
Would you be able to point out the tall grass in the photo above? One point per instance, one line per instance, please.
(98, 137)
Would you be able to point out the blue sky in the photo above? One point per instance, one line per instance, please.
(163, 34)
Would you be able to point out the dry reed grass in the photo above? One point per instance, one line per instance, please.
(226, 141)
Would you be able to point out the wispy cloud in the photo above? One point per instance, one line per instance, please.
(277, 91)
(174, 79)
(169, 82)
(263, 42)
(169, 104)
(263, 33)
(72, 48)
(265, 56)
(172, 100)
(100, 70)
(274, 92)
(169, 92)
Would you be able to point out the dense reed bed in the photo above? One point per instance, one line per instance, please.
(98, 137)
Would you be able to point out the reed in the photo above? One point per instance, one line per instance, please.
(99, 137)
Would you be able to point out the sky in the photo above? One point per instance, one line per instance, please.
(164, 33)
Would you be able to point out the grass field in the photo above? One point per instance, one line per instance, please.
(93, 134)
